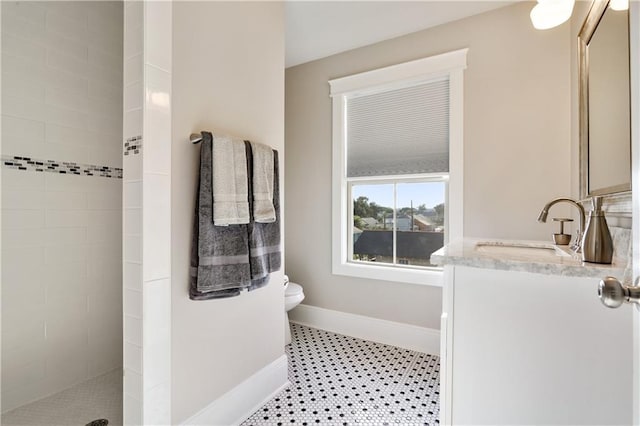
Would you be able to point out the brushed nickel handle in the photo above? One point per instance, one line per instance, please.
(613, 293)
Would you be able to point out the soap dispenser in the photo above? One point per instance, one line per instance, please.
(597, 245)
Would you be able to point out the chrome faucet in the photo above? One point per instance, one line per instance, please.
(577, 244)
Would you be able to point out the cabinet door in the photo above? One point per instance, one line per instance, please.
(537, 349)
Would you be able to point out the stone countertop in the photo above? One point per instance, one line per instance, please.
(465, 253)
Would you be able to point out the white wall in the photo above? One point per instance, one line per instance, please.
(228, 75)
(61, 234)
(517, 146)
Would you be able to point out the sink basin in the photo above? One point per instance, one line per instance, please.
(521, 249)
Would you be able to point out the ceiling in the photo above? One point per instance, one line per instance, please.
(317, 29)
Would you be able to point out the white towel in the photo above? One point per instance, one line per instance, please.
(263, 210)
(230, 185)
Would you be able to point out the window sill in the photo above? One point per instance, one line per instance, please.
(389, 273)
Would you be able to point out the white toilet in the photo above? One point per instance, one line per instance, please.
(293, 295)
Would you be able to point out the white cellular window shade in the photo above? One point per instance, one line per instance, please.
(399, 132)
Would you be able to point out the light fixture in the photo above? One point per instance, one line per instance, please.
(551, 13)
(619, 4)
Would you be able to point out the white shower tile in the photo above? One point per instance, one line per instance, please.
(25, 10)
(13, 199)
(68, 63)
(132, 248)
(20, 219)
(70, 371)
(21, 86)
(133, 276)
(67, 99)
(106, 200)
(67, 117)
(110, 218)
(109, 106)
(133, 221)
(157, 129)
(21, 27)
(67, 183)
(105, 76)
(109, 125)
(29, 70)
(66, 135)
(133, 384)
(104, 234)
(132, 194)
(106, 155)
(70, 22)
(133, 303)
(105, 275)
(133, 70)
(21, 265)
(66, 319)
(16, 179)
(157, 226)
(102, 90)
(62, 79)
(158, 34)
(65, 253)
(73, 47)
(132, 410)
(133, 330)
(105, 354)
(107, 61)
(71, 236)
(18, 128)
(24, 375)
(157, 333)
(60, 200)
(23, 280)
(22, 148)
(132, 165)
(24, 108)
(133, 42)
(65, 280)
(32, 351)
(21, 237)
(157, 406)
(31, 329)
(133, 96)
(22, 47)
(105, 23)
(69, 152)
(133, 357)
(132, 124)
(66, 218)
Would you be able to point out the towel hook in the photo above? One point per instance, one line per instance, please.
(196, 138)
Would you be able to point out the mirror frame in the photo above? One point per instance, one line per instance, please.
(616, 199)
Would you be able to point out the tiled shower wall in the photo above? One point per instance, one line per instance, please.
(61, 195)
(147, 212)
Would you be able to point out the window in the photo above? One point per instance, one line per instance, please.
(397, 168)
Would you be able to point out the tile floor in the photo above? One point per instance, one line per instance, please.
(98, 398)
(340, 380)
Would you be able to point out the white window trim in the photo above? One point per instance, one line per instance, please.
(451, 64)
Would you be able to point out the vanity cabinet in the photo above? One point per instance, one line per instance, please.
(521, 347)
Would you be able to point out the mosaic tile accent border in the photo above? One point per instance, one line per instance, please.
(16, 162)
(133, 145)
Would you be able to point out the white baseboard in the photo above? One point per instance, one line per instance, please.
(241, 402)
(407, 336)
